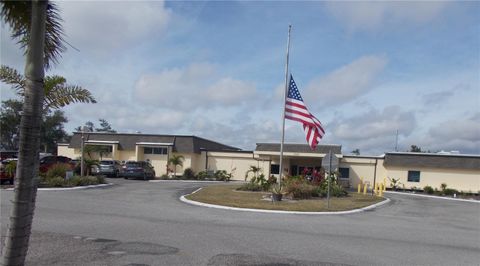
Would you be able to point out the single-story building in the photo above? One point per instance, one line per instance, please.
(199, 154)
(461, 172)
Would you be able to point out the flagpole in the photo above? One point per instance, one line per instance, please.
(283, 111)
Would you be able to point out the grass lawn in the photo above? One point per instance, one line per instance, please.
(226, 195)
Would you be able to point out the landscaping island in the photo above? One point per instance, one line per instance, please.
(228, 195)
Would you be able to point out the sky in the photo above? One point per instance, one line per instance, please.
(216, 69)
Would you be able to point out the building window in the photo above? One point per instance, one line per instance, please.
(274, 169)
(151, 150)
(413, 176)
(344, 172)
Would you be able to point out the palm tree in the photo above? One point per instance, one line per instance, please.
(57, 92)
(253, 169)
(37, 25)
(176, 160)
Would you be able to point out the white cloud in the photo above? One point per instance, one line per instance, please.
(462, 129)
(375, 15)
(105, 25)
(375, 123)
(347, 82)
(198, 85)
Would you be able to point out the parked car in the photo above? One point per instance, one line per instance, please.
(48, 161)
(109, 168)
(5, 174)
(139, 170)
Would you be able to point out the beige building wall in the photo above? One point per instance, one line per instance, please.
(128, 155)
(64, 150)
(459, 179)
(197, 160)
(237, 163)
(158, 161)
(363, 168)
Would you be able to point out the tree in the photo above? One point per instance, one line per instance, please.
(10, 124)
(105, 126)
(52, 129)
(89, 127)
(356, 152)
(57, 93)
(176, 160)
(37, 25)
(414, 148)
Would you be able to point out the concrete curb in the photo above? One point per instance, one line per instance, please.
(430, 196)
(70, 188)
(194, 181)
(196, 203)
(185, 181)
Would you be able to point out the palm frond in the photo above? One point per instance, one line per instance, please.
(12, 77)
(51, 82)
(18, 15)
(62, 95)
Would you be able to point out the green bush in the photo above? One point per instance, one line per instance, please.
(189, 174)
(338, 191)
(222, 175)
(101, 179)
(300, 189)
(321, 191)
(202, 175)
(56, 181)
(428, 190)
(250, 187)
(450, 191)
(56, 170)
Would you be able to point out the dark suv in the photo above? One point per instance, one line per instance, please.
(108, 168)
(48, 161)
(138, 170)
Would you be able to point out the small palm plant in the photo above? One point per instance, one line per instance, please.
(394, 183)
(277, 191)
(176, 160)
(253, 169)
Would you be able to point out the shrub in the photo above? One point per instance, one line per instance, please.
(202, 175)
(101, 180)
(321, 191)
(428, 190)
(250, 187)
(11, 168)
(188, 174)
(57, 170)
(450, 191)
(222, 175)
(56, 181)
(164, 177)
(272, 180)
(300, 189)
(338, 191)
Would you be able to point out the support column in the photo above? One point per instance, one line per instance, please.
(115, 155)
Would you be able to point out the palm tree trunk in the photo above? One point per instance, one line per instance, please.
(18, 234)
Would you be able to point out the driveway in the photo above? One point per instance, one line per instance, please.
(144, 223)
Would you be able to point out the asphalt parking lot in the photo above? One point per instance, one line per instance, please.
(143, 223)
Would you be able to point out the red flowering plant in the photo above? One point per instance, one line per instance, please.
(318, 177)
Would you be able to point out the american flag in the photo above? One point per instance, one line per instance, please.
(296, 110)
